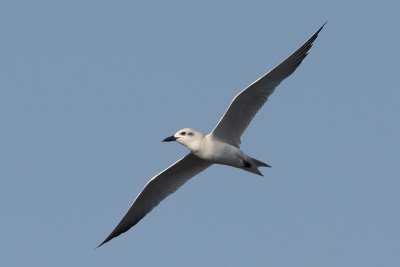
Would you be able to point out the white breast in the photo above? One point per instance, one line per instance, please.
(219, 152)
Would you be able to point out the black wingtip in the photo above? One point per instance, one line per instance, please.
(105, 241)
(102, 243)
(322, 26)
(317, 32)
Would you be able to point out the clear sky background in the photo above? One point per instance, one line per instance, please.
(88, 89)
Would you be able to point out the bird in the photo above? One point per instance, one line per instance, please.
(221, 146)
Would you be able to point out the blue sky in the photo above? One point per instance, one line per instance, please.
(88, 90)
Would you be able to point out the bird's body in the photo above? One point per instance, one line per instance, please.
(216, 151)
(220, 152)
(221, 146)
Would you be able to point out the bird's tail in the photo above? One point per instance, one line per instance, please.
(259, 163)
(253, 167)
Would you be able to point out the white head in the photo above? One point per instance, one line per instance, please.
(188, 137)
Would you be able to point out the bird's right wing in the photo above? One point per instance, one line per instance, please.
(246, 104)
(157, 189)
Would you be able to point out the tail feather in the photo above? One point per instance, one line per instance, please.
(260, 163)
(253, 169)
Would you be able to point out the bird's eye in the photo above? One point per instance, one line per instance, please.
(183, 133)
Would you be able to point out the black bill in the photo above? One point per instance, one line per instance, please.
(169, 139)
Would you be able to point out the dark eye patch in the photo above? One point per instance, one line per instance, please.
(183, 133)
(190, 133)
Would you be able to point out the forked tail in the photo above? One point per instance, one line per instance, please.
(254, 165)
(260, 163)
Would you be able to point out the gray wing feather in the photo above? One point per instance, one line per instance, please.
(247, 103)
(157, 189)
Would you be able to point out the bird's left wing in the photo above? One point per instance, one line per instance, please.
(246, 104)
(157, 189)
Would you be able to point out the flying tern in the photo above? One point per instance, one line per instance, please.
(221, 146)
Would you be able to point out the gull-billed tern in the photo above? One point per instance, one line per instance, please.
(221, 146)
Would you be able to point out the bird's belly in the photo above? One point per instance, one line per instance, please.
(222, 153)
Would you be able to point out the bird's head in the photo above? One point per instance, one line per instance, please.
(187, 137)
